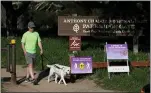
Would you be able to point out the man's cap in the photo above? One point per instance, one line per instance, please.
(31, 24)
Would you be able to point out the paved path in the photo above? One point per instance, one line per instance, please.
(44, 86)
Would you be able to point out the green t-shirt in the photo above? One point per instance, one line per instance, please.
(30, 40)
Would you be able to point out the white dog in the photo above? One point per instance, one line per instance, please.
(59, 71)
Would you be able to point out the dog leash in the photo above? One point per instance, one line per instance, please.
(43, 56)
(42, 63)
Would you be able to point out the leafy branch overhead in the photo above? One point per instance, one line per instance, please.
(48, 6)
(16, 8)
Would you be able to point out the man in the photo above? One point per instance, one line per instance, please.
(29, 43)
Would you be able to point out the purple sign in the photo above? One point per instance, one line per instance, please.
(117, 51)
(81, 65)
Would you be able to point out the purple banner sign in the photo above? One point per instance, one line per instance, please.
(81, 65)
(117, 51)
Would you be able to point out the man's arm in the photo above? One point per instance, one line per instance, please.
(23, 43)
(23, 47)
(40, 46)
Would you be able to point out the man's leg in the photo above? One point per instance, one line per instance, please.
(27, 72)
(31, 70)
(27, 69)
(30, 58)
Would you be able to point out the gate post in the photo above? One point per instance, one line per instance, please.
(8, 58)
(13, 73)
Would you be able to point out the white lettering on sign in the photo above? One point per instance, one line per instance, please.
(74, 43)
(74, 20)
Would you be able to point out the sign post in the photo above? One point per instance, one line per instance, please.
(117, 52)
(13, 72)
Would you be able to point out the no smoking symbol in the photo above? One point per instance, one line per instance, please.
(82, 66)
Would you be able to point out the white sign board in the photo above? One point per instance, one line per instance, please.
(118, 69)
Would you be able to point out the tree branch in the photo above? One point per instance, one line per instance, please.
(8, 6)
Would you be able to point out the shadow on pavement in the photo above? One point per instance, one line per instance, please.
(21, 80)
(5, 79)
(42, 75)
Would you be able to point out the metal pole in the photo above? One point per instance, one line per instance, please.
(108, 64)
(128, 66)
(127, 60)
(107, 68)
(104, 52)
(13, 73)
(8, 59)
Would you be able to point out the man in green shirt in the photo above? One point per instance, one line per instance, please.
(29, 43)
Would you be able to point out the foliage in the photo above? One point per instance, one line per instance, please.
(3, 89)
(48, 6)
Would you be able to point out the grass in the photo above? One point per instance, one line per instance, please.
(56, 50)
(121, 81)
(2, 88)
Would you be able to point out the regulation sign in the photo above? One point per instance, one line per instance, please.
(117, 51)
(81, 65)
(74, 43)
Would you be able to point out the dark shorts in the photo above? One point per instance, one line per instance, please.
(30, 58)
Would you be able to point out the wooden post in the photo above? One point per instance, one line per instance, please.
(13, 73)
(8, 59)
(73, 76)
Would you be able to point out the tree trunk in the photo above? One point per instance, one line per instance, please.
(14, 25)
(8, 23)
(135, 45)
(12, 15)
(136, 40)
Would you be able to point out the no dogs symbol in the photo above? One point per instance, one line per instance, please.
(82, 65)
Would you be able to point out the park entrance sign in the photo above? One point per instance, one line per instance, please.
(94, 25)
(117, 52)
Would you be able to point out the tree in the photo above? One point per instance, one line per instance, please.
(13, 11)
(138, 11)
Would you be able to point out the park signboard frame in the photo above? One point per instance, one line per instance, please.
(117, 52)
(94, 26)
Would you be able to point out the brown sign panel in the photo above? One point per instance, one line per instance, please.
(93, 25)
(74, 43)
(74, 26)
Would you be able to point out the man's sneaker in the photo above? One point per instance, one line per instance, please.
(32, 81)
(27, 80)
